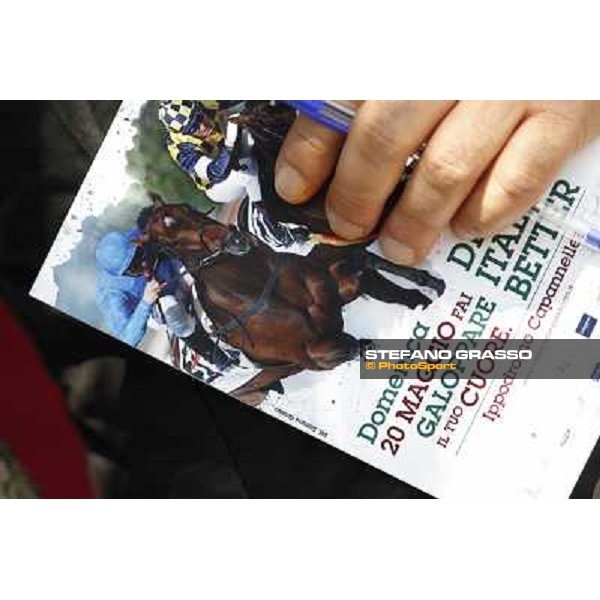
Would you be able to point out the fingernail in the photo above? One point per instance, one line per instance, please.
(343, 227)
(396, 251)
(289, 183)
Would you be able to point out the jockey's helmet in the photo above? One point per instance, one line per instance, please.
(181, 116)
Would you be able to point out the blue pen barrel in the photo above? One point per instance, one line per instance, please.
(592, 239)
(583, 229)
(325, 112)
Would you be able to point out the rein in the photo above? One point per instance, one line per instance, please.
(258, 306)
(195, 263)
(223, 249)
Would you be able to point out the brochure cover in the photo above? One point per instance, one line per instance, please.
(178, 245)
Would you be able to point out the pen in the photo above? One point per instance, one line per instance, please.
(330, 113)
(339, 117)
(579, 228)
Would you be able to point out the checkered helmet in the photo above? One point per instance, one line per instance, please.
(180, 116)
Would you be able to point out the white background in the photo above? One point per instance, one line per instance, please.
(369, 49)
(371, 549)
(163, 550)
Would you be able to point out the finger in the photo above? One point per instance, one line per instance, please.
(382, 137)
(306, 159)
(520, 175)
(459, 152)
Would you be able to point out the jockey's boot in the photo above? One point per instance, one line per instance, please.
(209, 350)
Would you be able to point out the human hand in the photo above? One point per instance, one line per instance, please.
(152, 291)
(486, 163)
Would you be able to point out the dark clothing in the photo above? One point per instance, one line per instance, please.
(162, 433)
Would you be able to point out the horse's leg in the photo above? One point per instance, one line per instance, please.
(421, 277)
(377, 286)
(347, 275)
(255, 391)
(330, 352)
(325, 307)
(312, 292)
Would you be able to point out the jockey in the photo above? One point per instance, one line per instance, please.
(198, 146)
(127, 295)
(206, 142)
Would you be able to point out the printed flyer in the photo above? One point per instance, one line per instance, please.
(178, 245)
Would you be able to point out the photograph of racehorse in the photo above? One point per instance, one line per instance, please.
(282, 309)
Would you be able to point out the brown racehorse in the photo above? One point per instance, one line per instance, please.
(282, 310)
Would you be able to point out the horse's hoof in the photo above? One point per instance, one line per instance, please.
(276, 386)
(425, 303)
(439, 287)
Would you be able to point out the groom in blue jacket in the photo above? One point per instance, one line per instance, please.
(128, 288)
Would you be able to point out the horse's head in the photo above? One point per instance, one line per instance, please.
(189, 232)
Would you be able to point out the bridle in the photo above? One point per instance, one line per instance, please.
(236, 243)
